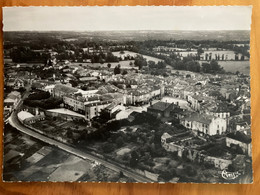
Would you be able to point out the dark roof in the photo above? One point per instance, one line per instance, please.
(160, 106)
(223, 108)
(177, 109)
(65, 88)
(240, 137)
(97, 103)
(205, 119)
(134, 113)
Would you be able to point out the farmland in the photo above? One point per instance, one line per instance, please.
(234, 66)
(124, 64)
(148, 58)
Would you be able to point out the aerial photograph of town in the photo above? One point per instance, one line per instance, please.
(105, 95)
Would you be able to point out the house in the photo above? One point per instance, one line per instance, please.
(65, 114)
(160, 109)
(87, 94)
(88, 79)
(28, 118)
(49, 88)
(116, 97)
(74, 102)
(18, 83)
(37, 85)
(239, 123)
(113, 109)
(61, 90)
(15, 83)
(229, 92)
(183, 145)
(171, 146)
(93, 109)
(204, 124)
(198, 102)
(195, 101)
(34, 119)
(220, 111)
(11, 101)
(174, 92)
(239, 139)
(239, 163)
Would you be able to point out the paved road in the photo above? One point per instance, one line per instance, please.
(16, 124)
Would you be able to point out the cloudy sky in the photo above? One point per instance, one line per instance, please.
(127, 18)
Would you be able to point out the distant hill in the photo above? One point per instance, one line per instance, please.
(225, 35)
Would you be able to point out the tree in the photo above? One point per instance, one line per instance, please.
(124, 72)
(73, 83)
(119, 142)
(215, 67)
(167, 175)
(206, 67)
(151, 64)
(199, 52)
(140, 61)
(108, 147)
(190, 171)
(134, 159)
(117, 69)
(161, 65)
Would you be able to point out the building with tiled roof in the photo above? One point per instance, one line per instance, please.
(160, 109)
(204, 124)
(239, 139)
(62, 90)
(93, 109)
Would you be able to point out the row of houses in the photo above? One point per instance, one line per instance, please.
(201, 124)
(10, 102)
(183, 146)
(28, 118)
(15, 83)
(89, 103)
(179, 144)
(92, 102)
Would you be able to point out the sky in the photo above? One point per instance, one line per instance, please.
(108, 18)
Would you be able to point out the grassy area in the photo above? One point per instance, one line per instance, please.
(124, 64)
(61, 129)
(130, 53)
(234, 66)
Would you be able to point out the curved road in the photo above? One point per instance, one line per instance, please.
(13, 121)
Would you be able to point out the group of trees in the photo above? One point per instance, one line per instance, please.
(212, 67)
(117, 69)
(188, 63)
(140, 61)
(25, 54)
(43, 100)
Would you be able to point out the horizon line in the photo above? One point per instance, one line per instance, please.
(115, 30)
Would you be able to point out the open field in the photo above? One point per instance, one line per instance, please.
(229, 53)
(148, 58)
(48, 163)
(233, 66)
(124, 64)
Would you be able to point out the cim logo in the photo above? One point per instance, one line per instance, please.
(230, 175)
